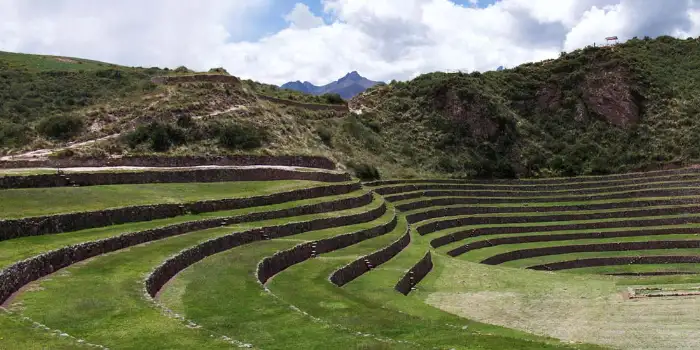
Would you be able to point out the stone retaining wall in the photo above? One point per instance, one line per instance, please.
(475, 210)
(173, 161)
(458, 236)
(541, 181)
(270, 266)
(439, 202)
(18, 275)
(359, 267)
(311, 106)
(415, 275)
(162, 274)
(499, 220)
(467, 197)
(51, 224)
(166, 176)
(585, 248)
(568, 237)
(531, 191)
(626, 260)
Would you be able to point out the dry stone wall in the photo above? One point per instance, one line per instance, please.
(18, 275)
(532, 191)
(568, 237)
(196, 78)
(470, 198)
(51, 224)
(182, 260)
(166, 176)
(584, 248)
(461, 235)
(359, 267)
(173, 161)
(415, 275)
(270, 266)
(624, 260)
(475, 210)
(500, 220)
(310, 106)
(542, 181)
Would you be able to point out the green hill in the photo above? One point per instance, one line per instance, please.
(596, 110)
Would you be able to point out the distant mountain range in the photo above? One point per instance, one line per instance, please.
(347, 87)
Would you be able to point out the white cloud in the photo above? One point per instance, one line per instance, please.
(301, 17)
(382, 39)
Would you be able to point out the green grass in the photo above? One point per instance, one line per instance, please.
(45, 63)
(93, 307)
(18, 249)
(18, 203)
(22, 334)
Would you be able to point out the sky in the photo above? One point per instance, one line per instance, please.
(276, 41)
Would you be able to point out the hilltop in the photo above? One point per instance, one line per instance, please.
(596, 110)
(347, 87)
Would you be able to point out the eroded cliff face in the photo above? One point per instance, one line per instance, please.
(610, 95)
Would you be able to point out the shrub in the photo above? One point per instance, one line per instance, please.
(12, 134)
(218, 70)
(325, 135)
(333, 99)
(234, 136)
(60, 127)
(182, 69)
(365, 172)
(160, 137)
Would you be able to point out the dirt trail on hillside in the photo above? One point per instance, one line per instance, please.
(42, 154)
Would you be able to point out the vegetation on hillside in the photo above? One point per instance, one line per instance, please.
(596, 110)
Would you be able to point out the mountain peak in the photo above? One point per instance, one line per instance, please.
(354, 75)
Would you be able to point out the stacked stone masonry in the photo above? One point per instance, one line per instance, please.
(282, 260)
(415, 275)
(174, 161)
(18, 275)
(359, 267)
(184, 259)
(52, 224)
(166, 176)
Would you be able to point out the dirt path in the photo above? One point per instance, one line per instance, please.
(43, 153)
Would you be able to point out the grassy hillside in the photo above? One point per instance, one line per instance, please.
(592, 111)
(596, 110)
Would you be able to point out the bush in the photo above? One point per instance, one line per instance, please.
(12, 134)
(365, 172)
(333, 99)
(60, 127)
(159, 137)
(182, 69)
(234, 136)
(325, 135)
(218, 70)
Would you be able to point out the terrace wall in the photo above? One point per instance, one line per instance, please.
(626, 260)
(174, 265)
(415, 275)
(357, 268)
(499, 220)
(280, 261)
(173, 161)
(19, 274)
(310, 106)
(51, 224)
(166, 176)
(458, 236)
(583, 248)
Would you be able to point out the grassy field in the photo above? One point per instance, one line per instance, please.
(218, 303)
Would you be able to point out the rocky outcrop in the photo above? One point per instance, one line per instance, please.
(610, 95)
(359, 267)
(282, 260)
(162, 274)
(51, 224)
(167, 176)
(415, 275)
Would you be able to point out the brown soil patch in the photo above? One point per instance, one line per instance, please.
(66, 60)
